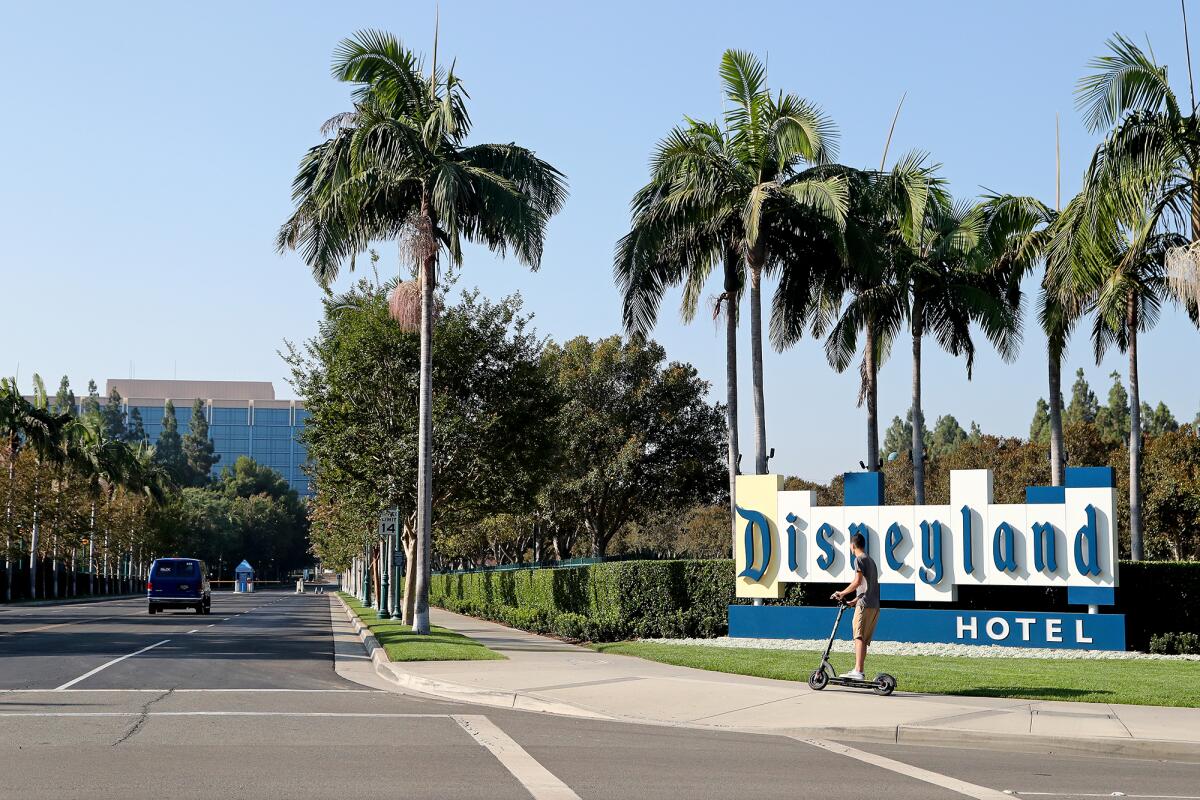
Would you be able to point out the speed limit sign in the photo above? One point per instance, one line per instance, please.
(389, 523)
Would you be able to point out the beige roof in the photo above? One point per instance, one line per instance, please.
(205, 390)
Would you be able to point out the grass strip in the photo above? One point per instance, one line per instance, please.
(401, 644)
(1151, 683)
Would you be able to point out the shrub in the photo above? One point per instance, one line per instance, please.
(650, 599)
(1173, 644)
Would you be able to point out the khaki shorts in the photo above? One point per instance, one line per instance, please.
(864, 623)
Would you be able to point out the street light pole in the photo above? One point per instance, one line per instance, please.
(385, 558)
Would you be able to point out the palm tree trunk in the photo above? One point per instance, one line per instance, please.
(872, 400)
(1136, 545)
(731, 389)
(424, 440)
(34, 534)
(8, 516)
(918, 420)
(1057, 450)
(92, 551)
(410, 578)
(760, 421)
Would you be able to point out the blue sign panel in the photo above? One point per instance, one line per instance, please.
(1004, 628)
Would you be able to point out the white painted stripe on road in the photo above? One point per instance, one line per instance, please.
(1012, 793)
(86, 675)
(182, 691)
(537, 780)
(194, 630)
(366, 715)
(936, 778)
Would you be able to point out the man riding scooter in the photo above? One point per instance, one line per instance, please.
(866, 606)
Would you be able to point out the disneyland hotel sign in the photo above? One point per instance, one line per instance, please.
(1060, 537)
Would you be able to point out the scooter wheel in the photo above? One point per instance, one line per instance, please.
(884, 684)
(818, 680)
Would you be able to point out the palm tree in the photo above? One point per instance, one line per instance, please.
(884, 211)
(398, 167)
(953, 282)
(1111, 260)
(730, 193)
(46, 439)
(21, 423)
(106, 462)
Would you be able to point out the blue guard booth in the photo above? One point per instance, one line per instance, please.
(244, 581)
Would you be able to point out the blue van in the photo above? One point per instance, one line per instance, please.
(179, 583)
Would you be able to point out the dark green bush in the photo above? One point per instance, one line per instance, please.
(1175, 644)
(650, 599)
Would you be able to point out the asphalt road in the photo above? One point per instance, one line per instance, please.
(257, 700)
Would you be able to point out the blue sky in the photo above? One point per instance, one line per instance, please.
(149, 149)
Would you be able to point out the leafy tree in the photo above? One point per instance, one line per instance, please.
(169, 450)
(198, 449)
(1158, 420)
(1113, 420)
(638, 436)
(112, 415)
(1172, 486)
(1084, 406)
(946, 437)
(358, 379)
(898, 437)
(91, 403)
(64, 398)
(398, 166)
(1039, 429)
(136, 429)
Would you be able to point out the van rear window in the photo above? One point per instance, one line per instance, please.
(175, 569)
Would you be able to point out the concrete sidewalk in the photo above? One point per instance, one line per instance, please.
(545, 674)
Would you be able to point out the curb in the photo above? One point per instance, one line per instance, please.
(391, 672)
(875, 734)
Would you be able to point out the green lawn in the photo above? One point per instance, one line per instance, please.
(401, 645)
(1155, 683)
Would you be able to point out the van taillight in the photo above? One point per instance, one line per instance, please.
(149, 586)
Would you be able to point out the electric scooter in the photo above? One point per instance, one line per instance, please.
(825, 674)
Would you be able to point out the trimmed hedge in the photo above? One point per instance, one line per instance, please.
(672, 599)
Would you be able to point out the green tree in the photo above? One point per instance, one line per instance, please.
(1114, 263)
(1158, 420)
(946, 437)
(64, 398)
(956, 279)
(1112, 420)
(1039, 429)
(638, 436)
(398, 167)
(736, 193)
(898, 437)
(1084, 406)
(358, 378)
(112, 414)
(1172, 485)
(885, 210)
(169, 450)
(91, 403)
(198, 448)
(136, 428)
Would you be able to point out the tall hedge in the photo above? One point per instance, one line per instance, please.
(616, 600)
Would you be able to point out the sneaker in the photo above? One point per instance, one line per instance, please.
(853, 675)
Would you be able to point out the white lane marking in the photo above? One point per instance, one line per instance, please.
(1012, 793)
(209, 626)
(180, 691)
(369, 715)
(537, 780)
(936, 778)
(193, 630)
(86, 675)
